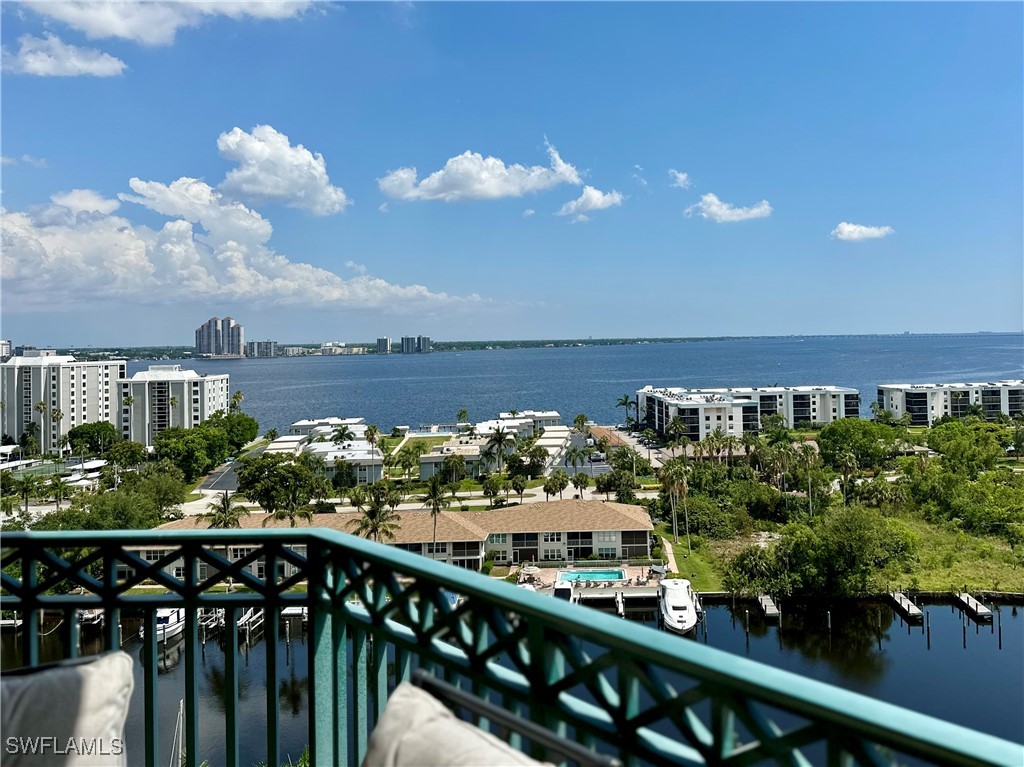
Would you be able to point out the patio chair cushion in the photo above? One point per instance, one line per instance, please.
(72, 712)
(417, 730)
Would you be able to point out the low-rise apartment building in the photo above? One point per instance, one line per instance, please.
(740, 409)
(166, 396)
(558, 531)
(927, 402)
(40, 383)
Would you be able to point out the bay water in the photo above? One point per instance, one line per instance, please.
(413, 389)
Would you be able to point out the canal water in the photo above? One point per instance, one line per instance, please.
(958, 670)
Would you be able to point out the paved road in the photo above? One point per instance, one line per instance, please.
(220, 479)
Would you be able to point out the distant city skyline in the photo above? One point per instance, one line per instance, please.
(604, 170)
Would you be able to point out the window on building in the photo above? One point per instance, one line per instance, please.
(497, 538)
(437, 548)
(606, 553)
(179, 573)
(606, 537)
(552, 554)
(552, 537)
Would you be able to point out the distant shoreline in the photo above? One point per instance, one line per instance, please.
(158, 352)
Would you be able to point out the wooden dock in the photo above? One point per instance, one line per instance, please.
(908, 609)
(768, 607)
(974, 607)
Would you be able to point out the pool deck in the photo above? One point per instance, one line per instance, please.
(544, 578)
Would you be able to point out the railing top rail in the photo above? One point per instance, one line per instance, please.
(874, 719)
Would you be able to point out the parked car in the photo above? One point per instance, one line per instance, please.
(598, 457)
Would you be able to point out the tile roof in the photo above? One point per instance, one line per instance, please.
(568, 515)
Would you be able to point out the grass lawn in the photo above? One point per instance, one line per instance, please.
(949, 559)
(704, 567)
(500, 571)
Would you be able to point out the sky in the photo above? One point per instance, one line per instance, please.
(475, 171)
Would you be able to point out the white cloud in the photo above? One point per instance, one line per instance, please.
(270, 169)
(725, 213)
(680, 180)
(471, 176)
(35, 162)
(590, 200)
(85, 201)
(528, 212)
(156, 23)
(638, 175)
(854, 232)
(5, 160)
(383, 208)
(213, 249)
(49, 56)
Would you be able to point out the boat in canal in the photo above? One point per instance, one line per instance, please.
(679, 606)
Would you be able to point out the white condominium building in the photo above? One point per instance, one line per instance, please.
(740, 409)
(42, 383)
(166, 396)
(928, 402)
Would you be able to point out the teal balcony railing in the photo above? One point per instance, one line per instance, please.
(377, 614)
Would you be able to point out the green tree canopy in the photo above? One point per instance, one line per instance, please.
(93, 438)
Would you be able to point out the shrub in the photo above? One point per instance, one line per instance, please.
(487, 567)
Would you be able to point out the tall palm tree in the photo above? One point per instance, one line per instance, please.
(172, 403)
(674, 480)
(224, 512)
(40, 407)
(625, 402)
(128, 402)
(846, 461)
(519, 485)
(236, 402)
(751, 441)
(581, 482)
(810, 456)
(372, 436)
(57, 415)
(27, 486)
(575, 456)
(498, 440)
(438, 500)
(342, 434)
(462, 416)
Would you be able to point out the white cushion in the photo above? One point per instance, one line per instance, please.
(417, 730)
(70, 713)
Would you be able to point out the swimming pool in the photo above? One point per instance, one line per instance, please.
(591, 575)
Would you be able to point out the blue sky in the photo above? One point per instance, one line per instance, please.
(600, 170)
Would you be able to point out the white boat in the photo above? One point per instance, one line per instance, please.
(680, 606)
(170, 622)
(90, 617)
(564, 590)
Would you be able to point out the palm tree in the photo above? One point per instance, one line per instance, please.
(627, 403)
(575, 456)
(128, 402)
(236, 401)
(372, 435)
(519, 485)
(60, 490)
(342, 434)
(497, 442)
(581, 482)
(438, 500)
(454, 466)
(674, 481)
(751, 441)
(847, 464)
(561, 480)
(462, 416)
(40, 407)
(27, 486)
(295, 506)
(810, 455)
(379, 520)
(580, 422)
(56, 415)
(225, 512)
(172, 403)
